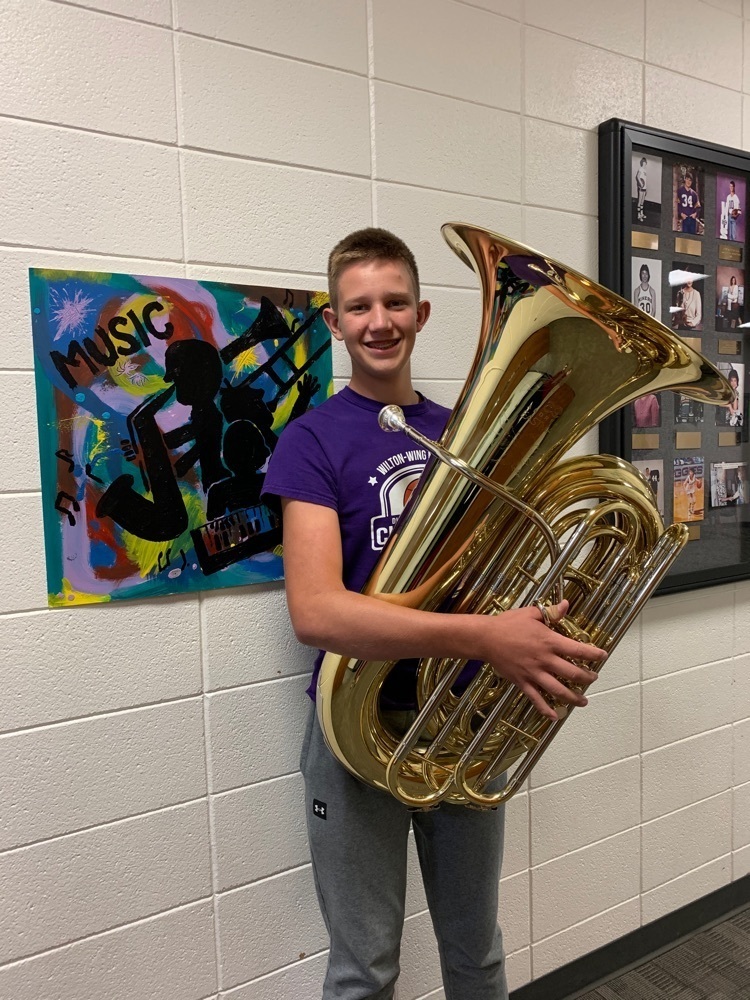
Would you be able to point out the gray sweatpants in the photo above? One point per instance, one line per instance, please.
(358, 843)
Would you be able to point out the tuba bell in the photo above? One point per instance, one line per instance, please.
(499, 520)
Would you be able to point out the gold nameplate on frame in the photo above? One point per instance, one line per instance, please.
(645, 241)
(694, 342)
(728, 252)
(730, 347)
(684, 245)
(728, 439)
(687, 439)
(694, 532)
(645, 442)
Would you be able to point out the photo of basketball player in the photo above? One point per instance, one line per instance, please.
(732, 415)
(646, 276)
(653, 472)
(728, 484)
(687, 300)
(646, 190)
(730, 207)
(688, 484)
(730, 297)
(687, 185)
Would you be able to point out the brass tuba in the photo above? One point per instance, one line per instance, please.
(499, 521)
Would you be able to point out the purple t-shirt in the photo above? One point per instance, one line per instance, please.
(337, 455)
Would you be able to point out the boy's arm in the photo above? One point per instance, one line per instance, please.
(517, 643)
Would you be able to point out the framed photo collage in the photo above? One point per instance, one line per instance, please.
(673, 229)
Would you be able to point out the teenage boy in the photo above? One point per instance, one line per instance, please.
(342, 482)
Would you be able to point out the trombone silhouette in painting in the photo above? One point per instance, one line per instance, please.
(159, 403)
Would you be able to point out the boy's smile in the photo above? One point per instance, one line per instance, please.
(378, 318)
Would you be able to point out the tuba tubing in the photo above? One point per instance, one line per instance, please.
(499, 521)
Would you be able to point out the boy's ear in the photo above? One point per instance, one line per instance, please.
(332, 322)
(423, 313)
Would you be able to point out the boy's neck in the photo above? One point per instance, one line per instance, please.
(400, 391)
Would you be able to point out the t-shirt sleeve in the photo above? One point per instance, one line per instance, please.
(299, 469)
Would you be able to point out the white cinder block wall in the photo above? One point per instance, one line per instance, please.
(151, 836)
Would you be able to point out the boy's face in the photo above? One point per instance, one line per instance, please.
(378, 318)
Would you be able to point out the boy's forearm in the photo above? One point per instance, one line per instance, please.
(367, 628)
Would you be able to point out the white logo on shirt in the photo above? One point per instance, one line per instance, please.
(395, 490)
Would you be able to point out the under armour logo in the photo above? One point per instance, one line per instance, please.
(319, 809)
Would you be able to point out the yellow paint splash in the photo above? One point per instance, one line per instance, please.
(70, 596)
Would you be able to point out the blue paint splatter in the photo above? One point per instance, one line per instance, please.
(80, 397)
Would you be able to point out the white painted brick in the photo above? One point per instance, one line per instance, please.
(516, 847)
(683, 890)
(76, 191)
(15, 317)
(733, 6)
(259, 831)
(300, 979)
(669, 94)
(259, 215)
(56, 892)
(515, 918)
(518, 969)
(420, 964)
(267, 925)
(607, 730)
(741, 755)
(741, 817)
(334, 32)
(474, 55)
(444, 393)
(509, 8)
(696, 629)
(608, 24)
(77, 67)
(585, 937)
(673, 29)
(558, 82)
(164, 957)
(22, 573)
(687, 703)
(416, 216)
(156, 11)
(742, 612)
(447, 344)
(122, 656)
(242, 656)
(552, 152)
(624, 664)
(475, 150)
(265, 107)
(673, 845)
(746, 59)
(741, 863)
(592, 880)
(745, 122)
(571, 239)
(685, 772)
(19, 454)
(256, 732)
(595, 805)
(70, 776)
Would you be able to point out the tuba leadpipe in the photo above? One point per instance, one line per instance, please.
(499, 521)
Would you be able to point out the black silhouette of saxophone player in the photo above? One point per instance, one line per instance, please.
(195, 370)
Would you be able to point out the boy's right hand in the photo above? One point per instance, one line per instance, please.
(522, 648)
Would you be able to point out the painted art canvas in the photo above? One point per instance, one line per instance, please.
(159, 402)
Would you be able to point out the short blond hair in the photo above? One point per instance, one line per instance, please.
(368, 245)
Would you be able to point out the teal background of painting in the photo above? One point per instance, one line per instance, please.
(233, 309)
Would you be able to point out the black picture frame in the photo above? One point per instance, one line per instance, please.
(629, 226)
